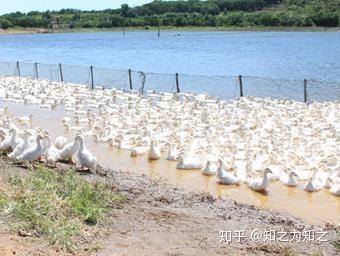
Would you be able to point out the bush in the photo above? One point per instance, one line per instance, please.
(5, 24)
(325, 19)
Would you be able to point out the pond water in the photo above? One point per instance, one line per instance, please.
(285, 55)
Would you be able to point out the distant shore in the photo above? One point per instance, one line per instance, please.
(167, 28)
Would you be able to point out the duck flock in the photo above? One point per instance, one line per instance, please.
(249, 140)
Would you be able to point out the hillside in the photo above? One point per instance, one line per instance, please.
(225, 13)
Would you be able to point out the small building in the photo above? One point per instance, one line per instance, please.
(56, 25)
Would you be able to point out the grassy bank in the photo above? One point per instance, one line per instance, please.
(56, 206)
(167, 28)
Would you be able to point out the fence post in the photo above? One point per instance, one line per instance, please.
(36, 70)
(143, 78)
(130, 79)
(18, 68)
(241, 85)
(159, 28)
(305, 89)
(177, 84)
(92, 84)
(61, 73)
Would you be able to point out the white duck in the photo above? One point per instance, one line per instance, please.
(154, 152)
(32, 153)
(189, 163)
(85, 157)
(21, 147)
(60, 142)
(139, 150)
(26, 119)
(289, 179)
(10, 142)
(224, 177)
(312, 185)
(126, 144)
(52, 153)
(209, 169)
(69, 150)
(172, 153)
(3, 135)
(4, 111)
(335, 187)
(260, 184)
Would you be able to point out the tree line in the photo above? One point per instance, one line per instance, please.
(241, 13)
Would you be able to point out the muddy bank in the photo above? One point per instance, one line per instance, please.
(160, 219)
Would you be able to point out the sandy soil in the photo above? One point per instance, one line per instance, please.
(159, 219)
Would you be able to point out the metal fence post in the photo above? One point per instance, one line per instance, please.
(36, 70)
(92, 84)
(143, 78)
(177, 84)
(305, 89)
(159, 28)
(130, 79)
(61, 73)
(18, 68)
(241, 85)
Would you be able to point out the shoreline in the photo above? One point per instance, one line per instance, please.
(18, 31)
(157, 212)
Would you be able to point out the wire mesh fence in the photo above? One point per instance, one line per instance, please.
(225, 87)
(273, 88)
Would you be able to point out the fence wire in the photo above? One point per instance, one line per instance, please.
(323, 91)
(153, 82)
(273, 88)
(109, 78)
(224, 87)
(7, 68)
(49, 72)
(76, 74)
(26, 70)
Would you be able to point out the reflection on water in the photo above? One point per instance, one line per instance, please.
(313, 207)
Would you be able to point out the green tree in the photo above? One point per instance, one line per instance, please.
(124, 10)
(5, 23)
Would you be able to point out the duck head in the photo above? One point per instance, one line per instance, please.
(27, 134)
(267, 171)
(39, 138)
(220, 163)
(292, 174)
(78, 138)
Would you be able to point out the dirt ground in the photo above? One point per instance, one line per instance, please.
(159, 219)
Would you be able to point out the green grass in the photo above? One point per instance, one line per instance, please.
(317, 253)
(288, 252)
(3, 201)
(336, 244)
(57, 206)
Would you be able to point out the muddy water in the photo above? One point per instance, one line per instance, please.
(313, 207)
